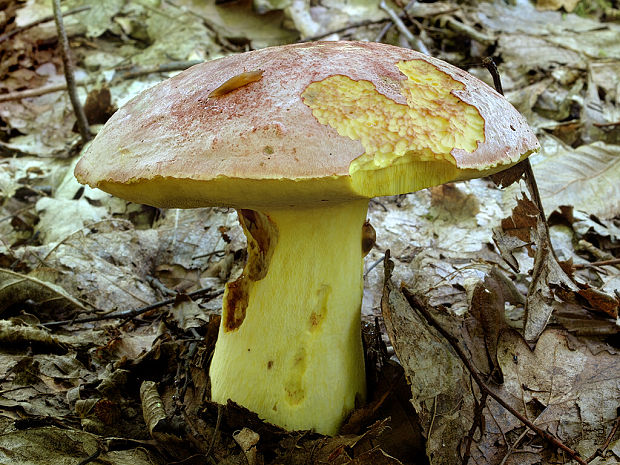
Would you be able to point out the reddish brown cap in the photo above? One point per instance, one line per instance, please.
(305, 123)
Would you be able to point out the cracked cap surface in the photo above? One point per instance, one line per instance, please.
(305, 123)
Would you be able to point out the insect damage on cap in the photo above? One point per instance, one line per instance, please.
(428, 127)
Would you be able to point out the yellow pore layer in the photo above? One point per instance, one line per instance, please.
(427, 128)
(289, 346)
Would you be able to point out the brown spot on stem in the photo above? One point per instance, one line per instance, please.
(294, 390)
(319, 308)
(369, 237)
(262, 236)
(235, 303)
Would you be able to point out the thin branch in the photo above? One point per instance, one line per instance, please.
(344, 29)
(476, 424)
(415, 42)
(122, 75)
(220, 412)
(138, 311)
(469, 31)
(421, 306)
(82, 122)
(615, 261)
(14, 32)
(530, 179)
(599, 452)
(491, 67)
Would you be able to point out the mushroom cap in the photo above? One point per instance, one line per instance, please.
(305, 123)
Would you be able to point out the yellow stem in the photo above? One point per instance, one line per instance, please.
(289, 346)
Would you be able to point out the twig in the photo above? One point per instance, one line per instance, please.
(373, 265)
(415, 42)
(92, 457)
(8, 35)
(615, 261)
(476, 424)
(137, 311)
(343, 29)
(530, 179)
(217, 253)
(39, 91)
(469, 31)
(491, 67)
(122, 75)
(220, 412)
(606, 125)
(421, 306)
(82, 122)
(610, 436)
(384, 31)
(512, 446)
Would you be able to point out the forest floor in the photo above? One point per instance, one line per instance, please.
(499, 347)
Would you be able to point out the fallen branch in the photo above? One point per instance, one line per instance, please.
(82, 122)
(126, 314)
(122, 76)
(469, 31)
(599, 452)
(614, 261)
(415, 42)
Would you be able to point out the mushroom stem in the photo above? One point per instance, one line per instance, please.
(289, 346)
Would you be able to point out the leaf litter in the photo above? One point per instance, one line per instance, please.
(135, 389)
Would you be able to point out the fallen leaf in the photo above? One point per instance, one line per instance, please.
(548, 278)
(98, 106)
(522, 221)
(441, 392)
(585, 178)
(16, 288)
(247, 440)
(600, 301)
(15, 336)
(56, 445)
(576, 389)
(152, 406)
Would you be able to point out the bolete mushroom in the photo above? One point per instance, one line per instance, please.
(298, 138)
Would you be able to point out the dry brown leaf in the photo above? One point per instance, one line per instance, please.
(576, 391)
(508, 177)
(98, 106)
(586, 177)
(21, 336)
(61, 445)
(178, 277)
(247, 440)
(16, 288)
(581, 322)
(152, 406)
(488, 307)
(440, 386)
(522, 220)
(548, 278)
(600, 302)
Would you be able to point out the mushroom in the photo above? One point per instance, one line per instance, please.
(298, 138)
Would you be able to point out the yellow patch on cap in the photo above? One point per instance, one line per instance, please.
(427, 128)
